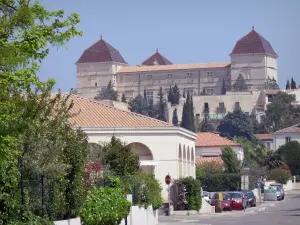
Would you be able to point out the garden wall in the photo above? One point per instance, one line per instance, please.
(75, 221)
(141, 216)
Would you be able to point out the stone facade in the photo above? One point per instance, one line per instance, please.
(253, 57)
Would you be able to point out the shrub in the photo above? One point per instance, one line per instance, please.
(221, 181)
(290, 153)
(105, 205)
(279, 175)
(193, 189)
(145, 190)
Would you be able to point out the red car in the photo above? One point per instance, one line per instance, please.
(238, 200)
(225, 203)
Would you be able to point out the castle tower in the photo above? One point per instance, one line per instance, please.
(156, 59)
(254, 58)
(96, 67)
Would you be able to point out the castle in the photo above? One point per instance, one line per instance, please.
(252, 57)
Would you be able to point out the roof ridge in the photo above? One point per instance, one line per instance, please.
(121, 110)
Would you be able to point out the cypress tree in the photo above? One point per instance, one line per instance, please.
(170, 95)
(123, 98)
(183, 93)
(192, 115)
(161, 106)
(287, 86)
(175, 95)
(175, 117)
(223, 91)
(145, 94)
(184, 118)
(293, 84)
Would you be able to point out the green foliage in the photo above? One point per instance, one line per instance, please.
(236, 124)
(240, 84)
(293, 84)
(145, 190)
(138, 105)
(174, 95)
(290, 153)
(209, 168)
(107, 93)
(221, 181)
(231, 162)
(206, 126)
(161, 106)
(123, 99)
(105, 205)
(223, 90)
(279, 175)
(281, 113)
(120, 158)
(188, 120)
(193, 197)
(287, 86)
(271, 84)
(175, 117)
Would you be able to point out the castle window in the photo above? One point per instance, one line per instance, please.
(169, 75)
(189, 74)
(149, 94)
(210, 77)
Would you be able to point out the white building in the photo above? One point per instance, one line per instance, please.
(161, 147)
(210, 145)
(286, 135)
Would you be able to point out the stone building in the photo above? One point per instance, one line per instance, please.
(253, 57)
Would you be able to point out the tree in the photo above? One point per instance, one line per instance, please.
(170, 95)
(236, 124)
(175, 117)
(290, 153)
(206, 126)
(151, 108)
(209, 167)
(293, 84)
(187, 120)
(279, 175)
(138, 105)
(28, 30)
(281, 113)
(240, 84)
(120, 158)
(123, 98)
(175, 95)
(161, 106)
(287, 86)
(193, 127)
(145, 95)
(271, 84)
(223, 90)
(231, 162)
(74, 91)
(107, 93)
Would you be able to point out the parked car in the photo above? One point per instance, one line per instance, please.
(225, 202)
(251, 199)
(205, 196)
(238, 200)
(279, 191)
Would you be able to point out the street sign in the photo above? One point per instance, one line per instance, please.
(168, 179)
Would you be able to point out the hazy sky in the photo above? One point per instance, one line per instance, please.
(184, 31)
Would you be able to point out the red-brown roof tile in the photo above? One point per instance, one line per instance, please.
(207, 139)
(156, 59)
(264, 136)
(202, 160)
(253, 42)
(292, 129)
(88, 113)
(101, 51)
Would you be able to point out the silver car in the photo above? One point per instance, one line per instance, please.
(279, 191)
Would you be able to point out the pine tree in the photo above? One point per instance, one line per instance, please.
(175, 117)
(170, 95)
(175, 95)
(107, 93)
(287, 86)
(123, 98)
(293, 84)
(240, 84)
(223, 91)
(161, 106)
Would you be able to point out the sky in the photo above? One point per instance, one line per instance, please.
(184, 31)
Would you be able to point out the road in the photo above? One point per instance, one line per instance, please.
(286, 212)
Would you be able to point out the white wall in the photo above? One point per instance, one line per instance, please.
(163, 143)
(215, 150)
(141, 216)
(280, 139)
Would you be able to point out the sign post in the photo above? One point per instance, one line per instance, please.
(168, 181)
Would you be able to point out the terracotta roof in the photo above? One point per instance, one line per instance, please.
(264, 136)
(156, 59)
(292, 129)
(253, 42)
(132, 69)
(90, 113)
(207, 139)
(101, 51)
(202, 160)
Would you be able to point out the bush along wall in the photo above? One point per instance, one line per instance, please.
(221, 182)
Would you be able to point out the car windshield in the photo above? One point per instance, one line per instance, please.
(278, 188)
(226, 197)
(205, 193)
(235, 195)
